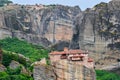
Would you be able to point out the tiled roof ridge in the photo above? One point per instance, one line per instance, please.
(71, 51)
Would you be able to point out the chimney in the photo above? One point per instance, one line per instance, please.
(65, 49)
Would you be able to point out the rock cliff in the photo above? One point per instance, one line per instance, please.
(98, 27)
(94, 29)
(38, 23)
(63, 70)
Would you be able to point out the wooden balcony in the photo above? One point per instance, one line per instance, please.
(76, 58)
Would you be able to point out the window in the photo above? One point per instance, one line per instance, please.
(63, 56)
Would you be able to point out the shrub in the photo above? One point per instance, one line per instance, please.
(105, 75)
(33, 52)
(14, 74)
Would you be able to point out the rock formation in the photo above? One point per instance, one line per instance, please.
(99, 26)
(14, 64)
(38, 24)
(2, 68)
(43, 72)
(63, 70)
(93, 29)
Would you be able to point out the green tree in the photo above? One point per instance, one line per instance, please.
(105, 75)
(24, 48)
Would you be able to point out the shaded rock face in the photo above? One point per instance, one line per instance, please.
(63, 70)
(14, 64)
(36, 23)
(2, 68)
(99, 26)
(3, 32)
(43, 72)
(62, 44)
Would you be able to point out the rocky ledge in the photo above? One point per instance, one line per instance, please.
(63, 70)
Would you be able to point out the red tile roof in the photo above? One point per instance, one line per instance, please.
(90, 60)
(68, 52)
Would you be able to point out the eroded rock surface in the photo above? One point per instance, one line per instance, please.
(99, 26)
(63, 70)
(2, 68)
(43, 72)
(39, 24)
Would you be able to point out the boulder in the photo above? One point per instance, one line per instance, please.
(2, 68)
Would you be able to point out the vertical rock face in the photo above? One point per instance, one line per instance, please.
(98, 27)
(89, 38)
(1, 20)
(66, 70)
(92, 29)
(63, 70)
(43, 72)
(3, 32)
(35, 23)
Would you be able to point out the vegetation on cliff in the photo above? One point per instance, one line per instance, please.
(22, 47)
(105, 75)
(9, 56)
(14, 74)
(11, 45)
(11, 50)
